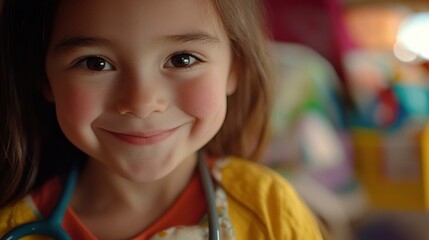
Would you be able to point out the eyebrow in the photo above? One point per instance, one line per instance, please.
(192, 37)
(81, 41)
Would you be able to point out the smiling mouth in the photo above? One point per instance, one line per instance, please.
(142, 139)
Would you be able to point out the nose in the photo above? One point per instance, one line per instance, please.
(140, 97)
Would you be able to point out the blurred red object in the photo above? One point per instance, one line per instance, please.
(318, 24)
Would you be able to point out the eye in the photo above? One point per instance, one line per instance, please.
(95, 63)
(181, 60)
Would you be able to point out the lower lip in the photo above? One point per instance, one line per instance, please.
(142, 141)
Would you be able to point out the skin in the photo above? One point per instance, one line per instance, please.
(140, 100)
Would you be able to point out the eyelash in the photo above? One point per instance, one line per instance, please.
(83, 62)
(196, 60)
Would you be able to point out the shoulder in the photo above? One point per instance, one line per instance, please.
(266, 199)
(249, 171)
(34, 206)
(246, 177)
(17, 214)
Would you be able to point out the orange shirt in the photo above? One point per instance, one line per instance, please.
(187, 210)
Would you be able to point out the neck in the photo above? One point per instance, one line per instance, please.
(101, 193)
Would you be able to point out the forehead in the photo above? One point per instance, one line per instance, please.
(113, 18)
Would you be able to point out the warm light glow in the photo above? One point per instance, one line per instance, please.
(413, 36)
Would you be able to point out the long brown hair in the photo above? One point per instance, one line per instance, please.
(245, 131)
(33, 148)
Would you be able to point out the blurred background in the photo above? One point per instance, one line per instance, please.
(350, 122)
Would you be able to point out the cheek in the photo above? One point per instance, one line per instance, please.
(203, 99)
(75, 105)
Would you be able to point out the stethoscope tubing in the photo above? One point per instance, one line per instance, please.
(51, 226)
(214, 232)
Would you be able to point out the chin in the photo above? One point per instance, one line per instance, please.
(142, 172)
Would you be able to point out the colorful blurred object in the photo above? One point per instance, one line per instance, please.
(308, 125)
(389, 85)
(310, 145)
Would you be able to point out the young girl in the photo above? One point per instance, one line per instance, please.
(135, 93)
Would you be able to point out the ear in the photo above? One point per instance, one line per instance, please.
(47, 92)
(231, 85)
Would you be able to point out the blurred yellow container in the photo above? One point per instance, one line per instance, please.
(393, 166)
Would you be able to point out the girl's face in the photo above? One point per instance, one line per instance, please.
(139, 85)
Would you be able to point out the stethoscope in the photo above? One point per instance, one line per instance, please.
(51, 227)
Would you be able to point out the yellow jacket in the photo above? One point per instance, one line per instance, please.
(253, 203)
